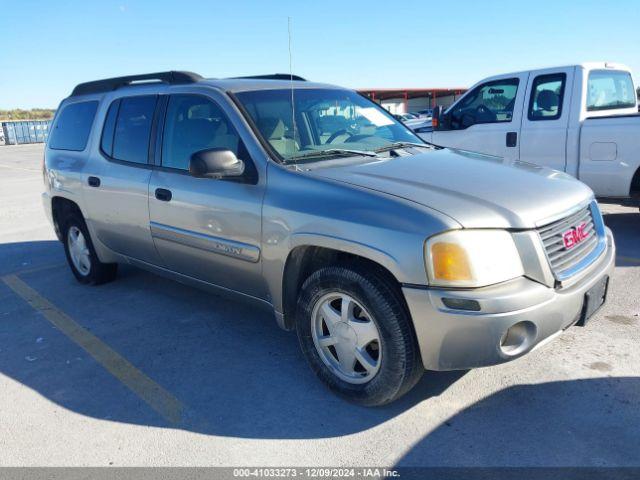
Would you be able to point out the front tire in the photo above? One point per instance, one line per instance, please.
(81, 254)
(356, 334)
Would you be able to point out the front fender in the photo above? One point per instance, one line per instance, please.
(349, 246)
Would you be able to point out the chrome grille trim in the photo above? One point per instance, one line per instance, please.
(566, 263)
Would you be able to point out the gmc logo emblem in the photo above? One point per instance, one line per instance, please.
(574, 236)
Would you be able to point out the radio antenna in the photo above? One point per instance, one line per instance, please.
(293, 108)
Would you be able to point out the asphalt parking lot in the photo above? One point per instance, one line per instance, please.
(145, 371)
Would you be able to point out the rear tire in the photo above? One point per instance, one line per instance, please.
(341, 308)
(81, 255)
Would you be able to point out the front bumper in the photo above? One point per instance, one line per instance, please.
(456, 339)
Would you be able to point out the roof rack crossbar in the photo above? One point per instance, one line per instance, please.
(273, 76)
(109, 84)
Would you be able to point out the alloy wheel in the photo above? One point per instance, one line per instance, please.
(346, 338)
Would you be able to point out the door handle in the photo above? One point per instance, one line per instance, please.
(93, 181)
(512, 139)
(163, 194)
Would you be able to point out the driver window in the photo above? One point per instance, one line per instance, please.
(491, 102)
(194, 123)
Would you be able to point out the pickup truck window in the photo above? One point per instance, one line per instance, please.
(491, 102)
(72, 127)
(326, 120)
(194, 123)
(133, 128)
(610, 89)
(547, 95)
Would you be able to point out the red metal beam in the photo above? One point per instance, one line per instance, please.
(400, 90)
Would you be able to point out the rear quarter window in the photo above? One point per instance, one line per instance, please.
(610, 89)
(72, 127)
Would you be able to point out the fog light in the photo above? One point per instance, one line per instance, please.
(518, 338)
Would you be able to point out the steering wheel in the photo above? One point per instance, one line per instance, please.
(336, 134)
(482, 110)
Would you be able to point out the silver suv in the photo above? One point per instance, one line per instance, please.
(385, 254)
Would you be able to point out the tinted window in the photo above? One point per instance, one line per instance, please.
(133, 128)
(547, 94)
(109, 128)
(491, 102)
(194, 123)
(609, 89)
(73, 126)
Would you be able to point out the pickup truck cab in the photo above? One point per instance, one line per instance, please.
(386, 255)
(580, 119)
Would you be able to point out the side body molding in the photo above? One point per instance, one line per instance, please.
(222, 246)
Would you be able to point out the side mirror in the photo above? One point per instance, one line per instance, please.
(440, 120)
(435, 117)
(215, 163)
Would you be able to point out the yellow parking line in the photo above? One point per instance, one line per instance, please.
(149, 391)
(628, 259)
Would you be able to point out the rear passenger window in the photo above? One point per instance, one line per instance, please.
(73, 125)
(547, 94)
(133, 128)
(194, 123)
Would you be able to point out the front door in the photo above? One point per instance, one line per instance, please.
(209, 229)
(487, 119)
(543, 137)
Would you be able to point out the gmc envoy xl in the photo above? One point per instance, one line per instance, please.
(385, 254)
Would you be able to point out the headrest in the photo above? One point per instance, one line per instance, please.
(271, 128)
(547, 100)
(198, 128)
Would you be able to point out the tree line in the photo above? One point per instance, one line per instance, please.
(33, 114)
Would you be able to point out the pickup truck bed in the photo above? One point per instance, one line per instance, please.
(609, 154)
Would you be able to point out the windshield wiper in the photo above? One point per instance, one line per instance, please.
(402, 145)
(331, 151)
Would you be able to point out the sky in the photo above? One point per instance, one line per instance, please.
(47, 47)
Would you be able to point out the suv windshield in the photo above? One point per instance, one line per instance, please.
(327, 122)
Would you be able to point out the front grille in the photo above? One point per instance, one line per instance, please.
(561, 258)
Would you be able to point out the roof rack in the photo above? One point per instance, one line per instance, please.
(109, 84)
(274, 76)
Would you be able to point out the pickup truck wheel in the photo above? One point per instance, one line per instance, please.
(81, 254)
(357, 336)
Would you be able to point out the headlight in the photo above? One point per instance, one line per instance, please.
(472, 258)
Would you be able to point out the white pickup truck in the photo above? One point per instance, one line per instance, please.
(580, 119)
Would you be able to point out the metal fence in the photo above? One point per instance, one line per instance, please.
(25, 131)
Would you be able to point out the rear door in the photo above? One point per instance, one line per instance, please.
(209, 229)
(116, 187)
(487, 118)
(543, 137)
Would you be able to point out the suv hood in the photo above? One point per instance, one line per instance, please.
(478, 191)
